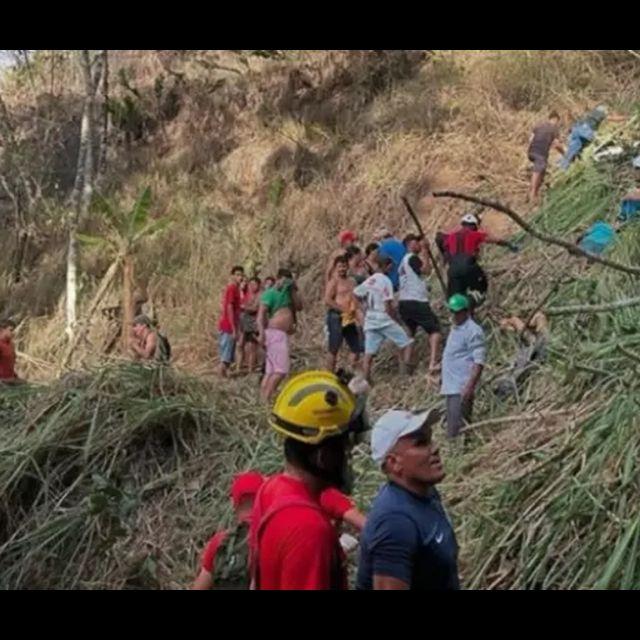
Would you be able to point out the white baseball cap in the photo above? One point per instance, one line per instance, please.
(396, 424)
(469, 218)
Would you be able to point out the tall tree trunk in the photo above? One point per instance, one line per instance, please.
(83, 185)
(127, 299)
(107, 279)
(104, 142)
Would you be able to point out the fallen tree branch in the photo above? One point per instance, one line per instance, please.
(632, 355)
(592, 308)
(568, 246)
(523, 417)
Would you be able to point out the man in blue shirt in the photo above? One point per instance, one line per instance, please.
(393, 248)
(408, 542)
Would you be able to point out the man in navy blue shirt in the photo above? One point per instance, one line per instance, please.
(408, 541)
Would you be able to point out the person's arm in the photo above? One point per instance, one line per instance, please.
(479, 355)
(296, 299)
(391, 310)
(232, 318)
(261, 321)
(330, 295)
(393, 546)
(338, 506)
(616, 117)
(328, 272)
(146, 352)
(470, 388)
(490, 239)
(136, 346)
(355, 518)
(204, 580)
(558, 146)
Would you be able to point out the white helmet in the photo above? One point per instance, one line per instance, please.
(469, 218)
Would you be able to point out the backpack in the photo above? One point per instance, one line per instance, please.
(338, 576)
(163, 349)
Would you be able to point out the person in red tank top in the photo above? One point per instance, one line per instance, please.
(461, 250)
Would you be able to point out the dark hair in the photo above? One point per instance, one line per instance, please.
(342, 259)
(270, 278)
(384, 261)
(410, 238)
(237, 269)
(256, 280)
(284, 273)
(554, 115)
(371, 247)
(351, 251)
(7, 324)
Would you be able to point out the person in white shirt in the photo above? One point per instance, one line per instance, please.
(381, 320)
(415, 310)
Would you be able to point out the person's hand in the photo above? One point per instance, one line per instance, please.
(467, 394)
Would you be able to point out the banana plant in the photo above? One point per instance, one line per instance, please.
(125, 229)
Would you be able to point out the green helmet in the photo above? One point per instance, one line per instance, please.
(458, 302)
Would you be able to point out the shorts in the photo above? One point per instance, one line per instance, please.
(276, 352)
(415, 313)
(539, 162)
(351, 334)
(458, 412)
(373, 338)
(226, 347)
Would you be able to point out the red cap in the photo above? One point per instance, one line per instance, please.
(347, 236)
(245, 485)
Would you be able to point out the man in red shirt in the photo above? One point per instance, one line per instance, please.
(7, 353)
(461, 249)
(229, 323)
(293, 543)
(243, 492)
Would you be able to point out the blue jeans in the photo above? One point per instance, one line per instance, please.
(581, 134)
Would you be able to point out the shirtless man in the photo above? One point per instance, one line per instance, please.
(144, 340)
(276, 320)
(346, 239)
(341, 314)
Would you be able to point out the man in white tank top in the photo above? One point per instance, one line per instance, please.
(413, 297)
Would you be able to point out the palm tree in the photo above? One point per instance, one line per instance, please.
(125, 230)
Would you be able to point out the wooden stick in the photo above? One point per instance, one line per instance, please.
(427, 245)
(592, 308)
(571, 248)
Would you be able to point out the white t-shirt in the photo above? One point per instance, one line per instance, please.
(376, 291)
(412, 285)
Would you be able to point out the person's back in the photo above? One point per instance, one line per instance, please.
(376, 291)
(394, 249)
(464, 241)
(419, 524)
(544, 134)
(297, 546)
